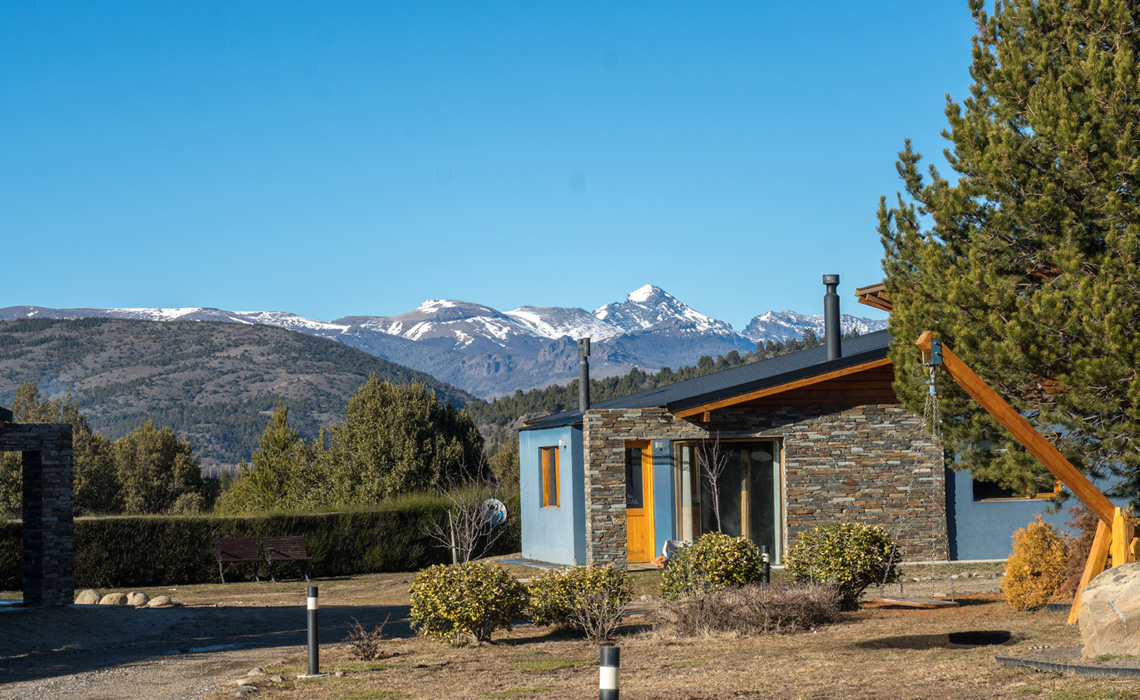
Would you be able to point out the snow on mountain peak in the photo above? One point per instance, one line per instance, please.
(642, 294)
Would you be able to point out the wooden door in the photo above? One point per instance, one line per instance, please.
(640, 540)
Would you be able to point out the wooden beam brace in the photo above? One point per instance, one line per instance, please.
(1016, 424)
(1098, 557)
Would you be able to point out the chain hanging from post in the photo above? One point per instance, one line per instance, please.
(931, 432)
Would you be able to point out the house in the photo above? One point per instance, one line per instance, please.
(814, 437)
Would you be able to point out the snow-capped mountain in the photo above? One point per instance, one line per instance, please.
(556, 322)
(491, 353)
(782, 325)
(461, 323)
(650, 305)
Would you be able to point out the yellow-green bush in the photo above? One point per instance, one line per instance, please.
(848, 556)
(1035, 570)
(588, 599)
(465, 601)
(712, 563)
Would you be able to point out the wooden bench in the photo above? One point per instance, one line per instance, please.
(236, 550)
(285, 549)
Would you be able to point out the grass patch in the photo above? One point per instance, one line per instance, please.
(363, 667)
(1092, 695)
(374, 694)
(698, 661)
(517, 693)
(550, 664)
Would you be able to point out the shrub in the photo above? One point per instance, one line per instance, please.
(848, 556)
(1085, 523)
(714, 562)
(1036, 569)
(778, 609)
(589, 599)
(462, 601)
(365, 642)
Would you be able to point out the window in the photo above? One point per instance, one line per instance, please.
(549, 477)
(989, 491)
(633, 478)
(749, 494)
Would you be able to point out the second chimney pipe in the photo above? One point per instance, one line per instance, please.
(831, 332)
(583, 374)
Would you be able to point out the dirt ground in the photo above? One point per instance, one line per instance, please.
(220, 633)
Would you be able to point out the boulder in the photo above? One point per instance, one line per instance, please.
(113, 599)
(1110, 613)
(137, 599)
(160, 601)
(87, 597)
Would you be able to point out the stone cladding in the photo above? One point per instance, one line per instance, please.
(866, 464)
(48, 508)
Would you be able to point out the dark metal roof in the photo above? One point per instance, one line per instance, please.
(5, 415)
(739, 380)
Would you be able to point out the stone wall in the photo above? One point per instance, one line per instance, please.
(48, 497)
(864, 464)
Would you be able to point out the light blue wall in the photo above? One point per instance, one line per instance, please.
(555, 535)
(984, 529)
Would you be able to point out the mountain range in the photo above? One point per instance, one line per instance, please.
(491, 353)
(214, 384)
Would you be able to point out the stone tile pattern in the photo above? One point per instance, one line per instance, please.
(49, 525)
(866, 464)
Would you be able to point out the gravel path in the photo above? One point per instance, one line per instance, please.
(120, 653)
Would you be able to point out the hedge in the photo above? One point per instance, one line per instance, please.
(161, 550)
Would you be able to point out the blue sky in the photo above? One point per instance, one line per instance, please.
(337, 159)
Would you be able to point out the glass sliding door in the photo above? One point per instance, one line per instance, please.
(747, 496)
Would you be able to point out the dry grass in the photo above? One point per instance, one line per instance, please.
(873, 653)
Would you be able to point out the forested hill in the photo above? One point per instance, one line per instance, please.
(214, 384)
(499, 419)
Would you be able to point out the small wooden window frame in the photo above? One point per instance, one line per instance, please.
(548, 456)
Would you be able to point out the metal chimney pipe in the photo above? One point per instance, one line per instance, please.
(583, 374)
(831, 332)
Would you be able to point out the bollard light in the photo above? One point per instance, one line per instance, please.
(608, 672)
(765, 565)
(314, 643)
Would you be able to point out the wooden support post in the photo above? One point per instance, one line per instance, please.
(1123, 531)
(1025, 433)
(1095, 565)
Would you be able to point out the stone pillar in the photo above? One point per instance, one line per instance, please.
(604, 456)
(48, 510)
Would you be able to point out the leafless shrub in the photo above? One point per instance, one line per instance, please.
(713, 459)
(365, 643)
(470, 529)
(749, 610)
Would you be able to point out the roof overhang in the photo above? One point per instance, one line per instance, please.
(781, 388)
(874, 296)
(5, 417)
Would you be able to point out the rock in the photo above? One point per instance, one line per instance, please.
(966, 574)
(647, 597)
(276, 679)
(255, 671)
(87, 597)
(245, 690)
(137, 599)
(113, 599)
(161, 601)
(1110, 613)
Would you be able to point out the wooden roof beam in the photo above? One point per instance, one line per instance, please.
(781, 388)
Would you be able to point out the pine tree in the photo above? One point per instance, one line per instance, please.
(1027, 262)
(279, 475)
(397, 438)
